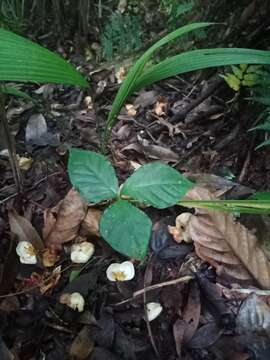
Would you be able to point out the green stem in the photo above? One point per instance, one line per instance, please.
(242, 206)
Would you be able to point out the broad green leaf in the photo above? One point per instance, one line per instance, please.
(127, 86)
(127, 229)
(92, 175)
(198, 60)
(156, 184)
(23, 60)
(11, 90)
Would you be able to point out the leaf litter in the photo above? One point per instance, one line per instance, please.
(202, 318)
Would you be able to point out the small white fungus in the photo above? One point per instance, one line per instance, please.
(26, 251)
(121, 272)
(82, 252)
(75, 301)
(153, 310)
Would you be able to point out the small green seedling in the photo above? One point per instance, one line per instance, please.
(125, 227)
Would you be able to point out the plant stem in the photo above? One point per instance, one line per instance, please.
(10, 146)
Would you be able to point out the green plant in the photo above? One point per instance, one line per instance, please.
(23, 61)
(122, 34)
(261, 95)
(12, 15)
(126, 228)
(139, 76)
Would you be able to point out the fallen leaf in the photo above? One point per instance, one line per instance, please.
(36, 128)
(90, 223)
(226, 244)
(161, 106)
(253, 316)
(205, 336)
(192, 311)
(153, 151)
(24, 230)
(70, 214)
(82, 345)
(145, 99)
(179, 328)
(5, 353)
(158, 152)
(102, 354)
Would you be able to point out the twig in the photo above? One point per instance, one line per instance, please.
(148, 325)
(156, 286)
(165, 283)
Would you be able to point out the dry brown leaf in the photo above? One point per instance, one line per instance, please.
(70, 214)
(24, 230)
(226, 244)
(83, 344)
(161, 106)
(91, 221)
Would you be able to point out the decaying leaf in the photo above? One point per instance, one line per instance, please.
(24, 230)
(91, 221)
(253, 316)
(64, 228)
(82, 345)
(36, 128)
(153, 151)
(179, 328)
(192, 311)
(226, 244)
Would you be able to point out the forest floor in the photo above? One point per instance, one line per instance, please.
(194, 123)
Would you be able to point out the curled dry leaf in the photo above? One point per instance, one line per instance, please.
(23, 229)
(64, 227)
(90, 223)
(226, 244)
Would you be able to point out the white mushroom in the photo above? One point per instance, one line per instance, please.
(180, 231)
(181, 223)
(27, 253)
(75, 301)
(153, 310)
(82, 252)
(120, 272)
